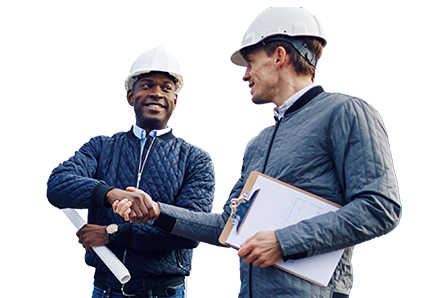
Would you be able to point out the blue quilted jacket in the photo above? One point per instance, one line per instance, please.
(176, 173)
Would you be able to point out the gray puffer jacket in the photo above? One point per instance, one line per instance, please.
(334, 146)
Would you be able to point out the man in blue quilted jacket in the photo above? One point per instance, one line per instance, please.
(329, 144)
(147, 158)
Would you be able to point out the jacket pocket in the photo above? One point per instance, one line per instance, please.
(178, 258)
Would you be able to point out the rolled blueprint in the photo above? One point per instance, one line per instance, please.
(106, 255)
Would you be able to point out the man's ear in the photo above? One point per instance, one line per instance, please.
(280, 55)
(176, 99)
(130, 100)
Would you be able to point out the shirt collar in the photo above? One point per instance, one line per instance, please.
(141, 133)
(279, 112)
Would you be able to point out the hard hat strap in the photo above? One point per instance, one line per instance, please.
(300, 46)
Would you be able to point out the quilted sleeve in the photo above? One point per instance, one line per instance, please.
(361, 153)
(71, 184)
(196, 194)
(199, 226)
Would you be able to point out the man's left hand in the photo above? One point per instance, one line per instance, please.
(262, 249)
(92, 235)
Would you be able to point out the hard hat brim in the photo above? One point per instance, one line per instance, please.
(178, 84)
(238, 59)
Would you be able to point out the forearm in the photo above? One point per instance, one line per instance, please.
(363, 219)
(73, 185)
(198, 226)
(145, 237)
(72, 191)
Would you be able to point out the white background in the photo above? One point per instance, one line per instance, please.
(23, 139)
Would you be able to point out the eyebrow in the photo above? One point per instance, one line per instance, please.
(151, 81)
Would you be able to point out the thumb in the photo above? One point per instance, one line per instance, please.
(134, 189)
(131, 188)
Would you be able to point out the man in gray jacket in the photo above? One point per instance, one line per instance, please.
(332, 145)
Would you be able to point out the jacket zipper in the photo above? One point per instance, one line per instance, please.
(271, 145)
(263, 171)
(250, 280)
(141, 166)
(177, 253)
(140, 169)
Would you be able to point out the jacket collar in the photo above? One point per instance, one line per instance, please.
(165, 137)
(304, 99)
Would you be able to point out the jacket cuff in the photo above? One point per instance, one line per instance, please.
(286, 257)
(165, 222)
(98, 195)
(124, 235)
(298, 256)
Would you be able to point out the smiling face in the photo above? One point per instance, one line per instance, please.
(262, 76)
(153, 99)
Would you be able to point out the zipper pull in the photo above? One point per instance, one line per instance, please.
(139, 179)
(177, 253)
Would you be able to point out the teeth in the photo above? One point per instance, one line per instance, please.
(154, 106)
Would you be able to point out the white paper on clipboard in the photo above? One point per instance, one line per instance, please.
(289, 206)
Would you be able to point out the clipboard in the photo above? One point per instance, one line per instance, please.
(247, 189)
(291, 266)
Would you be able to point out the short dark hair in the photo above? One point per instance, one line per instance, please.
(301, 65)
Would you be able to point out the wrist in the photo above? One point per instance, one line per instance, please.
(111, 232)
(157, 210)
(110, 197)
(98, 196)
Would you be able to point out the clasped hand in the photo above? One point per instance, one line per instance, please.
(134, 205)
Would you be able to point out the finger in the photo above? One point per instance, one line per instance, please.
(143, 208)
(131, 188)
(124, 210)
(140, 212)
(136, 216)
(126, 215)
(249, 258)
(88, 247)
(138, 209)
(244, 251)
(122, 207)
(248, 240)
(260, 263)
(144, 205)
(115, 206)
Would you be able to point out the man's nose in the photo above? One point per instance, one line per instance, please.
(157, 92)
(247, 76)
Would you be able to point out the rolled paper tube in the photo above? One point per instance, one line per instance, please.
(106, 255)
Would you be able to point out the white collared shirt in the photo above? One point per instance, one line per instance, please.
(279, 112)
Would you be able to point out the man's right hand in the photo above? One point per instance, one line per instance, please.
(126, 208)
(140, 202)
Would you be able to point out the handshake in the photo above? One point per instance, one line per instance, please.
(133, 205)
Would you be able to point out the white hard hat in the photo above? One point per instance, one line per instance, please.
(280, 21)
(156, 59)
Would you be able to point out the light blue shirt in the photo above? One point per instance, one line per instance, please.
(279, 112)
(141, 134)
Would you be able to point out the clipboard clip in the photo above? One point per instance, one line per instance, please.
(235, 202)
(240, 206)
